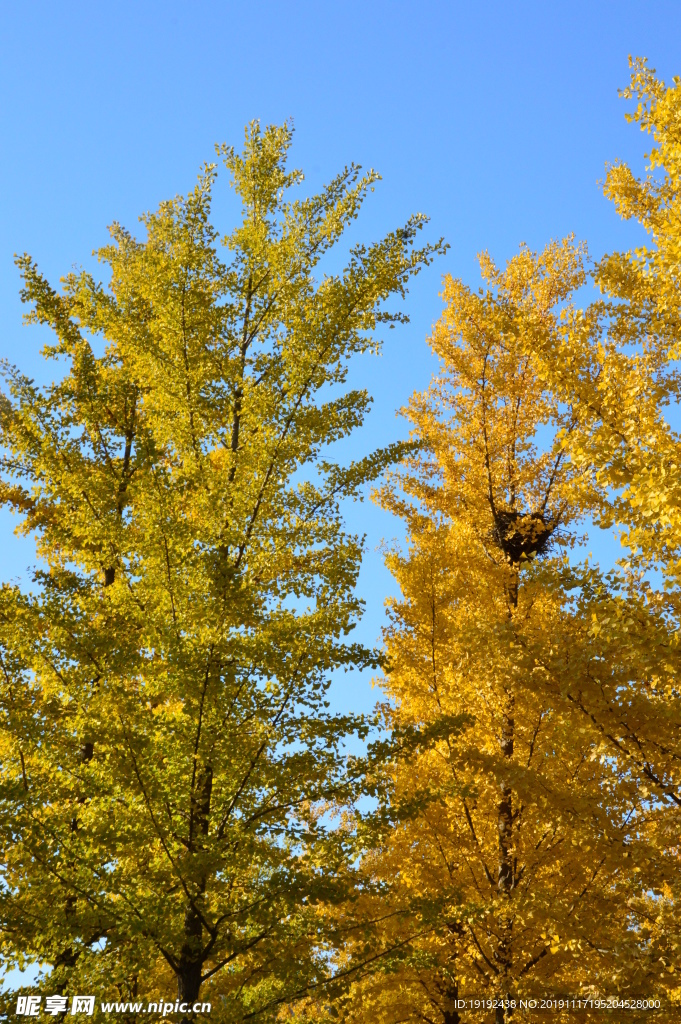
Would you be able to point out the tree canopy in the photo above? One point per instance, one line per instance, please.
(179, 805)
(537, 853)
(168, 749)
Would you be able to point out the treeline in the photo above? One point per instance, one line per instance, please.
(179, 811)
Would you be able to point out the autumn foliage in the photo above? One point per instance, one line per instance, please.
(179, 808)
(167, 746)
(535, 847)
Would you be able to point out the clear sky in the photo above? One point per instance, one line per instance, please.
(495, 119)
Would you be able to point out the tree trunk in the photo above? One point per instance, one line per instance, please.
(505, 874)
(505, 870)
(450, 1013)
(191, 954)
(189, 974)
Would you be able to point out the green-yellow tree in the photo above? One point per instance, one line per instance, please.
(167, 747)
(508, 869)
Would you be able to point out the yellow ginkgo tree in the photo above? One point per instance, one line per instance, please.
(505, 867)
(167, 746)
(617, 362)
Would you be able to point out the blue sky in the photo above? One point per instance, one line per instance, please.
(495, 119)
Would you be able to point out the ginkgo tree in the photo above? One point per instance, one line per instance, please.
(617, 362)
(167, 745)
(507, 869)
(528, 840)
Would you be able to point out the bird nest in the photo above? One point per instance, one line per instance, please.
(522, 535)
